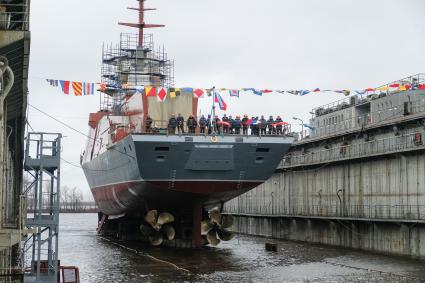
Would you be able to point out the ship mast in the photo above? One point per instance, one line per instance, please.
(141, 25)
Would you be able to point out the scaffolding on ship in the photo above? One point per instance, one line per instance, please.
(133, 63)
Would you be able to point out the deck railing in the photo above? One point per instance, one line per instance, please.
(161, 127)
(363, 211)
(389, 145)
(14, 16)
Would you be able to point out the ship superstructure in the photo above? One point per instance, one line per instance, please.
(158, 186)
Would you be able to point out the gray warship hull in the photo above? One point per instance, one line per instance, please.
(143, 172)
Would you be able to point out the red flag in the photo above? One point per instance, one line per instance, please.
(370, 89)
(408, 86)
(198, 93)
(227, 124)
(266, 91)
(280, 124)
(64, 86)
(422, 86)
(162, 94)
(394, 85)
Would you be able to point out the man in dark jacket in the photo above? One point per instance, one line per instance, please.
(231, 121)
(191, 124)
(209, 124)
(278, 127)
(180, 124)
(270, 123)
(202, 124)
(237, 124)
(254, 127)
(244, 124)
(225, 126)
(148, 124)
(263, 125)
(172, 124)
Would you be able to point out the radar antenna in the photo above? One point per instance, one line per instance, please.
(141, 25)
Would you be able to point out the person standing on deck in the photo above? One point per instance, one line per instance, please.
(180, 124)
(191, 124)
(217, 124)
(231, 121)
(245, 125)
(225, 126)
(209, 124)
(263, 125)
(270, 123)
(278, 127)
(148, 124)
(172, 124)
(202, 124)
(237, 123)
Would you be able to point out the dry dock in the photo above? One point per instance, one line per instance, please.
(357, 180)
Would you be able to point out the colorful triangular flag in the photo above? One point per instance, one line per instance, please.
(234, 92)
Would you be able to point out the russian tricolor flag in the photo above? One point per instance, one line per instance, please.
(218, 99)
(251, 122)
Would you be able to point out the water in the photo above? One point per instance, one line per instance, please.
(243, 259)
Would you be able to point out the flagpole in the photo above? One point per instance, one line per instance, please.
(213, 111)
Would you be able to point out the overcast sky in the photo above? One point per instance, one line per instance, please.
(275, 44)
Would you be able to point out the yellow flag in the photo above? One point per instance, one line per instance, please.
(383, 88)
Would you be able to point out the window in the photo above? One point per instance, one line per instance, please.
(162, 148)
(261, 149)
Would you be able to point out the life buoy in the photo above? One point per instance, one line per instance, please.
(214, 139)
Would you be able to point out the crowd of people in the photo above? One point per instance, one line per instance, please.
(225, 125)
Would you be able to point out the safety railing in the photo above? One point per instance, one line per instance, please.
(358, 122)
(163, 127)
(364, 211)
(14, 16)
(349, 151)
(412, 81)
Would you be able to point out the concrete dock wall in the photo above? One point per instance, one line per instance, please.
(376, 204)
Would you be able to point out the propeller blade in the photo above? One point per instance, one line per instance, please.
(169, 232)
(212, 238)
(226, 221)
(215, 216)
(156, 239)
(151, 217)
(165, 218)
(145, 230)
(206, 226)
(225, 235)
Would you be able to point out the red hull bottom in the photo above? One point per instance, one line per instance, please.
(116, 199)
